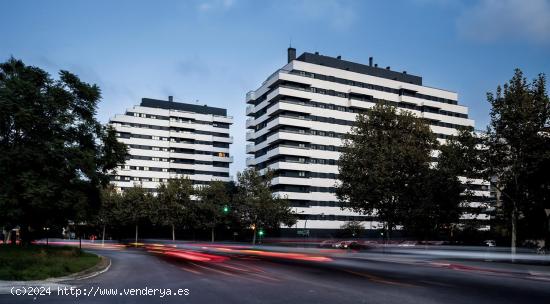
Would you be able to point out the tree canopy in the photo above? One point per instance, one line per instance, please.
(518, 153)
(383, 158)
(173, 205)
(257, 206)
(54, 154)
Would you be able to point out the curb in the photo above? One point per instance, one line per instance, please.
(99, 268)
(528, 273)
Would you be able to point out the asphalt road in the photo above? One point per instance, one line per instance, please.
(252, 276)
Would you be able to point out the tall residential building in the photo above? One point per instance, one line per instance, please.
(297, 118)
(168, 139)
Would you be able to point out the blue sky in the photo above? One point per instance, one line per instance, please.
(214, 51)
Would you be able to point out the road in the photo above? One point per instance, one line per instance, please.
(233, 274)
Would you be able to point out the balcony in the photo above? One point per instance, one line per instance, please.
(250, 135)
(250, 123)
(251, 95)
(249, 109)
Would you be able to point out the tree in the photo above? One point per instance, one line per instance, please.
(256, 205)
(173, 203)
(383, 158)
(108, 215)
(353, 228)
(135, 207)
(440, 195)
(55, 156)
(518, 151)
(213, 205)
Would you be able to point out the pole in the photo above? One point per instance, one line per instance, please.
(173, 233)
(103, 237)
(135, 243)
(254, 236)
(212, 232)
(305, 236)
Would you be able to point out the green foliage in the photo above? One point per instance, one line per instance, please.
(173, 204)
(518, 153)
(55, 154)
(255, 203)
(212, 199)
(42, 262)
(352, 228)
(383, 158)
(135, 206)
(386, 169)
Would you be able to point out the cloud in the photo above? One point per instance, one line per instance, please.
(209, 5)
(500, 20)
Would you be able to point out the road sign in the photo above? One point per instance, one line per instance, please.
(303, 232)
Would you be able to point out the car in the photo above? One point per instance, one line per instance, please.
(327, 244)
(347, 245)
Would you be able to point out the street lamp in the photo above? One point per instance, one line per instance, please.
(47, 229)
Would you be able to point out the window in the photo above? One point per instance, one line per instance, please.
(301, 174)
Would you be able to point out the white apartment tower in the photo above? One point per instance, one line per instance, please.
(168, 139)
(297, 118)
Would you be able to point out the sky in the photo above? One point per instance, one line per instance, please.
(214, 51)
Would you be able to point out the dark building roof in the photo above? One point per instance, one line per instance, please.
(338, 63)
(172, 105)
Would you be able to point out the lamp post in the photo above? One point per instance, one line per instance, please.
(547, 211)
(47, 229)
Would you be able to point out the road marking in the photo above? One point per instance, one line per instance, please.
(266, 277)
(191, 270)
(214, 269)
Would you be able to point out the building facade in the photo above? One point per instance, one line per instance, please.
(298, 116)
(168, 139)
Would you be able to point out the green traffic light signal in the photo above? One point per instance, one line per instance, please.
(261, 232)
(225, 209)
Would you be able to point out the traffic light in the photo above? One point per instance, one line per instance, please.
(261, 232)
(225, 209)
